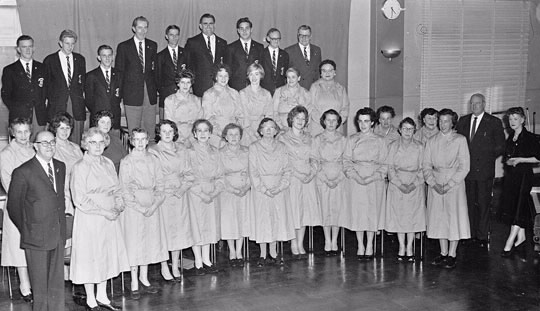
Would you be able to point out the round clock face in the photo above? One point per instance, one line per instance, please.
(391, 9)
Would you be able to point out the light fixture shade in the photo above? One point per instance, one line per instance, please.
(391, 53)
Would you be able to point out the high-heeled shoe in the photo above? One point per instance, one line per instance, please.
(506, 254)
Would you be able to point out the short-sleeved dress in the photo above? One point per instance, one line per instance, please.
(207, 173)
(365, 155)
(221, 106)
(69, 153)
(11, 157)
(183, 110)
(306, 208)
(256, 105)
(98, 249)
(329, 149)
(325, 96)
(447, 162)
(286, 98)
(405, 212)
(235, 212)
(146, 241)
(516, 207)
(269, 169)
(175, 174)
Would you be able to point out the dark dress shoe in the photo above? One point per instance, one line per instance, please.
(360, 257)
(151, 289)
(109, 306)
(439, 260)
(328, 253)
(450, 262)
(233, 263)
(369, 257)
(96, 308)
(260, 262)
(295, 256)
(482, 243)
(335, 253)
(410, 258)
(506, 254)
(210, 269)
(303, 256)
(401, 258)
(135, 294)
(270, 261)
(240, 262)
(28, 298)
(199, 271)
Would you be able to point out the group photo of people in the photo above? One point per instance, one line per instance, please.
(157, 156)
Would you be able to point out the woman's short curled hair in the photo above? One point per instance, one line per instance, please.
(158, 129)
(101, 114)
(293, 69)
(296, 111)
(219, 68)
(19, 121)
(264, 121)
(137, 130)
(516, 110)
(60, 117)
(428, 112)
(386, 109)
(409, 121)
(185, 74)
(90, 133)
(231, 126)
(449, 112)
(201, 121)
(333, 112)
(327, 62)
(366, 111)
(255, 67)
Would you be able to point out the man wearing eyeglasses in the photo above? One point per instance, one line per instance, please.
(36, 206)
(305, 57)
(275, 62)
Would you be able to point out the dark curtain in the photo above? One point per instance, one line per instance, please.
(109, 22)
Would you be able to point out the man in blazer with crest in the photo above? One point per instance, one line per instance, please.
(275, 62)
(170, 61)
(65, 83)
(23, 86)
(242, 53)
(203, 53)
(36, 206)
(305, 57)
(136, 61)
(103, 90)
(485, 137)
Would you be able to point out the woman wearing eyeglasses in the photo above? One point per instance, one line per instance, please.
(98, 251)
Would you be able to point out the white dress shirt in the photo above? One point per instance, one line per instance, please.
(63, 62)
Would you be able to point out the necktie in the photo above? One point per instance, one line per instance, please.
(274, 63)
(107, 79)
(68, 71)
(141, 55)
(306, 55)
(28, 74)
(174, 60)
(246, 49)
(210, 48)
(50, 174)
(473, 129)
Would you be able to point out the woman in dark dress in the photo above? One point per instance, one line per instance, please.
(521, 154)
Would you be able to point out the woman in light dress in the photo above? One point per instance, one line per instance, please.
(175, 179)
(183, 108)
(12, 156)
(364, 157)
(98, 252)
(256, 104)
(406, 201)
(289, 96)
(204, 194)
(221, 104)
(305, 205)
(329, 147)
(235, 198)
(142, 224)
(430, 119)
(116, 150)
(270, 174)
(446, 164)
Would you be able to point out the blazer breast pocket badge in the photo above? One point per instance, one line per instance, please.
(80, 79)
(40, 82)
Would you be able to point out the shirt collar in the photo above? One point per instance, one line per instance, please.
(23, 62)
(137, 40)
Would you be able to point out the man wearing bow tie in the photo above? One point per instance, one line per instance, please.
(23, 86)
(103, 90)
(170, 61)
(36, 206)
(136, 61)
(305, 57)
(65, 83)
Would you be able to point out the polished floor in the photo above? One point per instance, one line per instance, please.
(482, 280)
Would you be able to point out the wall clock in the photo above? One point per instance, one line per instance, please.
(391, 9)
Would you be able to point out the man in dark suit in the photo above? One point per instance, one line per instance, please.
(23, 86)
(36, 206)
(242, 53)
(485, 137)
(275, 62)
(305, 57)
(136, 61)
(103, 90)
(203, 53)
(170, 61)
(65, 83)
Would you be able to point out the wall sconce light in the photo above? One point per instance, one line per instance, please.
(390, 53)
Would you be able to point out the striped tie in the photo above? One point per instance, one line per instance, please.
(68, 71)
(274, 63)
(28, 74)
(50, 174)
(141, 55)
(174, 60)
(210, 49)
(306, 55)
(246, 49)
(108, 80)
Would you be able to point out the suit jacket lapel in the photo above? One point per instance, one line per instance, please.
(204, 47)
(58, 67)
(42, 174)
